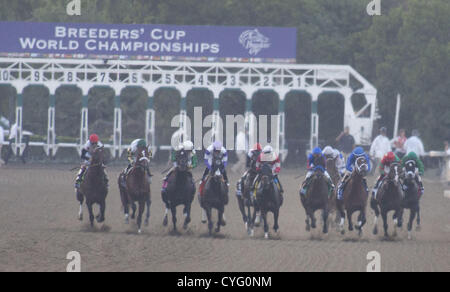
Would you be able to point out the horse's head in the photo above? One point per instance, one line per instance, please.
(97, 155)
(182, 160)
(142, 160)
(330, 162)
(217, 162)
(361, 166)
(266, 175)
(410, 169)
(394, 172)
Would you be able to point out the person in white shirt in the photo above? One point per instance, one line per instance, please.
(381, 145)
(2, 140)
(414, 144)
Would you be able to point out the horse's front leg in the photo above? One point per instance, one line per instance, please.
(385, 223)
(133, 207)
(266, 226)
(147, 218)
(80, 199)
(241, 205)
(350, 222)
(325, 214)
(187, 214)
(220, 212)
(174, 218)
(101, 215)
(208, 212)
(276, 215)
(412, 216)
(139, 218)
(91, 213)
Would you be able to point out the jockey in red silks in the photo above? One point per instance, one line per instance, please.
(252, 158)
(385, 165)
(270, 157)
(90, 146)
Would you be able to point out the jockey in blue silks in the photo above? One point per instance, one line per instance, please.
(358, 152)
(316, 161)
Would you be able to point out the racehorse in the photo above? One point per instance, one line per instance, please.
(389, 198)
(136, 189)
(355, 197)
(316, 199)
(180, 191)
(411, 200)
(335, 177)
(245, 200)
(268, 198)
(215, 194)
(94, 188)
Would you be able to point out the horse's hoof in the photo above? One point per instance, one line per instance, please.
(360, 233)
(342, 232)
(375, 231)
(223, 223)
(139, 231)
(266, 235)
(252, 233)
(165, 221)
(409, 235)
(217, 230)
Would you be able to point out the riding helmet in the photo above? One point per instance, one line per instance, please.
(94, 138)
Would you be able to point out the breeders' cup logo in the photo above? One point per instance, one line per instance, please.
(254, 41)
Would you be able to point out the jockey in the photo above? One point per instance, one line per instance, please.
(329, 152)
(137, 146)
(252, 157)
(187, 146)
(270, 157)
(385, 164)
(420, 169)
(316, 160)
(358, 152)
(90, 146)
(215, 148)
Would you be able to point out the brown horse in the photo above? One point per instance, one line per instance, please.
(268, 199)
(245, 200)
(355, 197)
(94, 187)
(215, 195)
(136, 189)
(316, 199)
(389, 198)
(335, 177)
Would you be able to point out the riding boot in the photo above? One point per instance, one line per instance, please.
(79, 177)
(304, 188)
(341, 187)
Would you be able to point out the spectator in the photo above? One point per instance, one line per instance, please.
(399, 144)
(414, 144)
(346, 142)
(381, 145)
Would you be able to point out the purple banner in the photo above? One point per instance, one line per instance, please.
(148, 41)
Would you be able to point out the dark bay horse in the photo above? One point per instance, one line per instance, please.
(245, 200)
(215, 194)
(389, 198)
(136, 189)
(411, 199)
(268, 198)
(316, 199)
(335, 177)
(355, 197)
(180, 190)
(94, 188)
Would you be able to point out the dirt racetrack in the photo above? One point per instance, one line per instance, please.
(39, 226)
